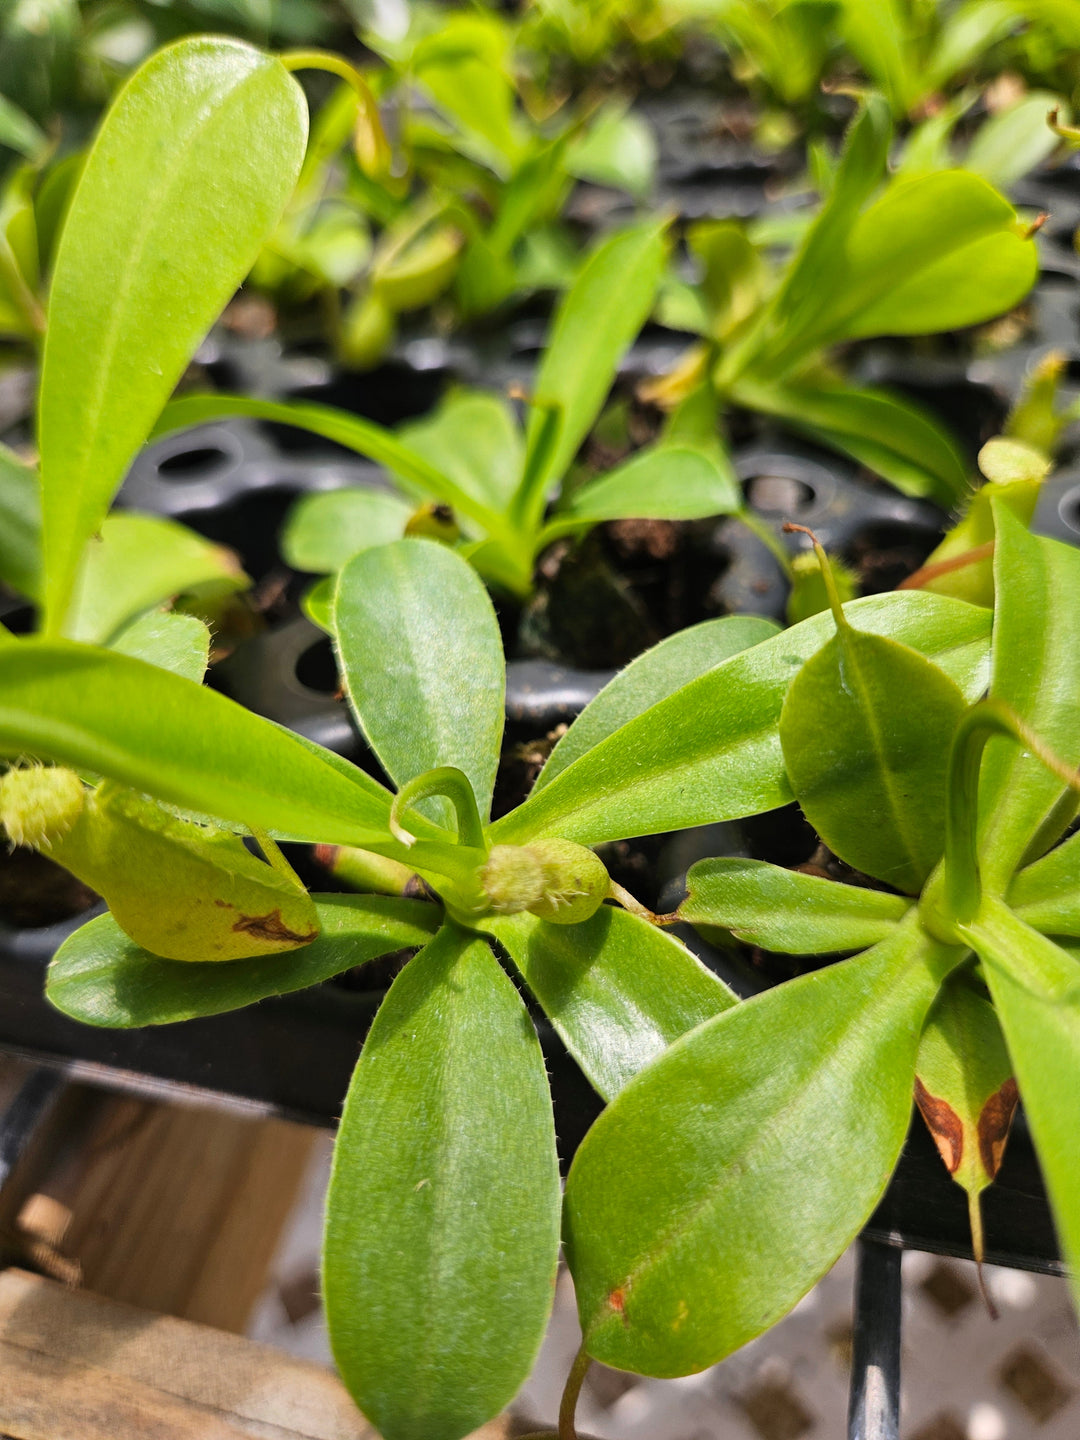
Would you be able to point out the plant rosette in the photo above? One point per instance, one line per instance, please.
(450, 1082)
(444, 1211)
(727, 1178)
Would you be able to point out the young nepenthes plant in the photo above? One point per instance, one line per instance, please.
(443, 1218)
(751, 1152)
(495, 482)
(887, 254)
(444, 1212)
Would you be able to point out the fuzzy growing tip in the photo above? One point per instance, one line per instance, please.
(39, 804)
(553, 879)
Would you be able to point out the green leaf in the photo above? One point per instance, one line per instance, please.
(866, 729)
(811, 276)
(180, 643)
(187, 178)
(665, 482)
(727, 1177)
(876, 33)
(18, 132)
(318, 603)
(594, 325)
(967, 33)
(1036, 671)
(617, 990)
(20, 525)
(786, 911)
(734, 275)
(1035, 986)
(974, 581)
(422, 662)
(475, 438)
(139, 561)
(325, 530)
(618, 149)
(936, 252)
(363, 436)
(1014, 141)
(1046, 895)
(161, 735)
(652, 677)
(965, 1089)
(100, 977)
(465, 66)
(443, 1214)
(892, 436)
(711, 751)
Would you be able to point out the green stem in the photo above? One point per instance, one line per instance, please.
(567, 1408)
(371, 144)
(826, 574)
(568, 1404)
(963, 888)
(449, 781)
(633, 905)
(527, 506)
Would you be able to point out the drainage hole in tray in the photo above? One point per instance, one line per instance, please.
(189, 465)
(316, 670)
(780, 495)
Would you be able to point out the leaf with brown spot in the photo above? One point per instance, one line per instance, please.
(944, 1125)
(993, 1127)
(271, 927)
(965, 1090)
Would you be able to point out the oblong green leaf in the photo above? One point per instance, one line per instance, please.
(617, 990)
(727, 1177)
(866, 729)
(1046, 895)
(810, 282)
(597, 319)
(891, 435)
(934, 253)
(1035, 987)
(161, 735)
(180, 643)
(443, 1214)
(325, 530)
(19, 132)
(100, 977)
(1014, 141)
(711, 751)
(652, 677)
(965, 1089)
(1036, 671)
(475, 438)
(188, 176)
(667, 482)
(139, 561)
(20, 525)
(422, 662)
(786, 911)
